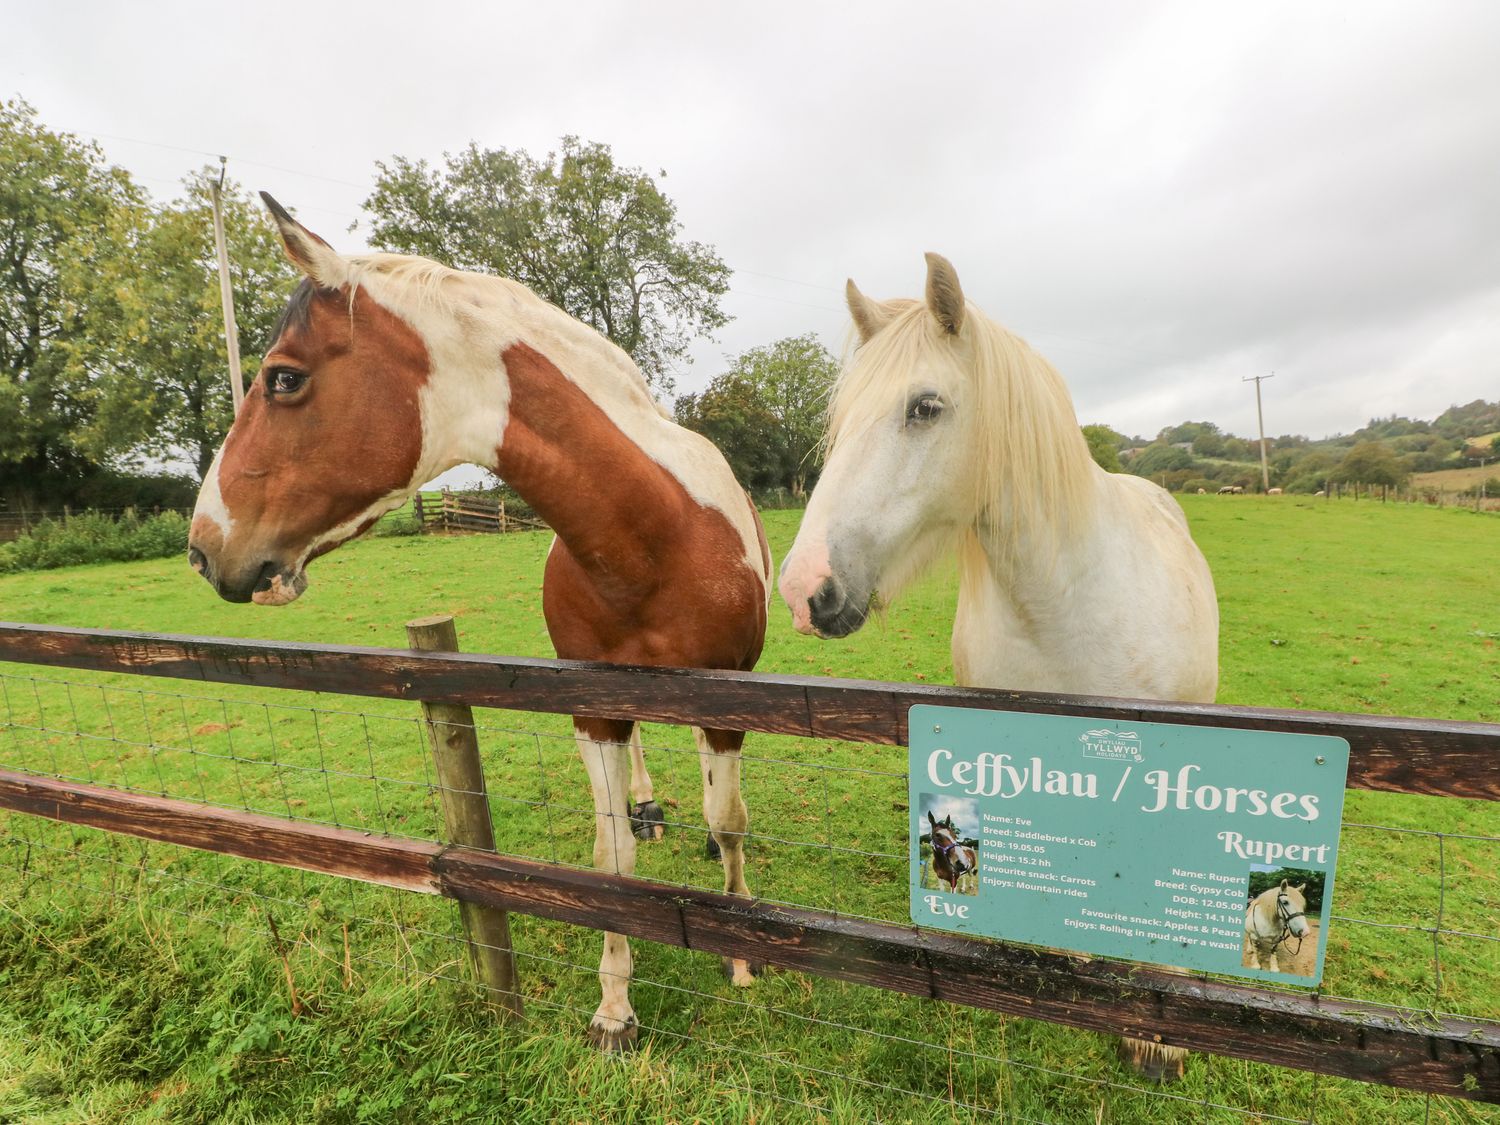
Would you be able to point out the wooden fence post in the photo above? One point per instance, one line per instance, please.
(416, 506)
(466, 817)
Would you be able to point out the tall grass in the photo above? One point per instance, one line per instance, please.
(94, 537)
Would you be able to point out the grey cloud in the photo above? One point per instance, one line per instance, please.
(1162, 197)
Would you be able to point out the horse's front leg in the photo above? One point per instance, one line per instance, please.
(603, 746)
(647, 820)
(1268, 960)
(728, 820)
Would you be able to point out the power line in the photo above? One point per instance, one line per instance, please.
(215, 155)
(790, 280)
(784, 300)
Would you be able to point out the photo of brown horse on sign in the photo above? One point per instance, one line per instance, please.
(950, 848)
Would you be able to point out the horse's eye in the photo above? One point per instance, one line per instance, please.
(925, 408)
(285, 380)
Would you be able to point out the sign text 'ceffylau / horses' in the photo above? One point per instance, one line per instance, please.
(1200, 847)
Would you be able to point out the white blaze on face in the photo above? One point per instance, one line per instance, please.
(809, 563)
(210, 505)
(885, 506)
(803, 571)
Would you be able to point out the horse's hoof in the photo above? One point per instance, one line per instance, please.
(647, 821)
(715, 853)
(1154, 1061)
(616, 1041)
(740, 973)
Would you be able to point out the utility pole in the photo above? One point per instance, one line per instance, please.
(1265, 472)
(226, 294)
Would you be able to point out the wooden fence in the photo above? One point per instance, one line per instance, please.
(1371, 1042)
(459, 512)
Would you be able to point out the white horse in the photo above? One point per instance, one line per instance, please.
(1274, 915)
(949, 434)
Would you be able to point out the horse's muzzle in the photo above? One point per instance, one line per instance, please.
(265, 583)
(833, 613)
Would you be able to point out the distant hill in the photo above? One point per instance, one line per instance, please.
(1392, 452)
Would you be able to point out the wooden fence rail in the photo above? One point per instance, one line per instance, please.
(457, 512)
(1369, 1042)
(1401, 755)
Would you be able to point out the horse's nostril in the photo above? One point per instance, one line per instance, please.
(198, 561)
(826, 598)
(263, 579)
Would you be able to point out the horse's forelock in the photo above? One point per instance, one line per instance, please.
(298, 311)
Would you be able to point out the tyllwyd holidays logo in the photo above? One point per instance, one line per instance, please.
(1116, 746)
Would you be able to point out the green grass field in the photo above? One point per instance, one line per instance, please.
(150, 984)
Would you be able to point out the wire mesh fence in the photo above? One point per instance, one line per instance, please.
(1415, 922)
(823, 1049)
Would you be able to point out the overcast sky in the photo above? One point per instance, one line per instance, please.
(1164, 198)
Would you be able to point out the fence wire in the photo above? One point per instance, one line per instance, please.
(1415, 926)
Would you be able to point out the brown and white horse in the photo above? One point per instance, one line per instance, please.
(385, 371)
(952, 861)
(1272, 918)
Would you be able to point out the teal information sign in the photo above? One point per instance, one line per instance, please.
(1200, 847)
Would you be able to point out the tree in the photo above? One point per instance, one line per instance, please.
(767, 412)
(599, 241)
(1208, 444)
(1158, 458)
(1477, 417)
(1370, 462)
(58, 201)
(151, 340)
(733, 416)
(1104, 447)
(1186, 431)
(1239, 449)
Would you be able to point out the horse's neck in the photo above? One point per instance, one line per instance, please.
(585, 468)
(1026, 596)
(1032, 568)
(563, 416)
(1266, 915)
(555, 409)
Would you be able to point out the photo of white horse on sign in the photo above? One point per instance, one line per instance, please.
(1281, 921)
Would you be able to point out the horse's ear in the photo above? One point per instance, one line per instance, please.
(1283, 884)
(930, 819)
(869, 316)
(307, 251)
(944, 296)
(1300, 887)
